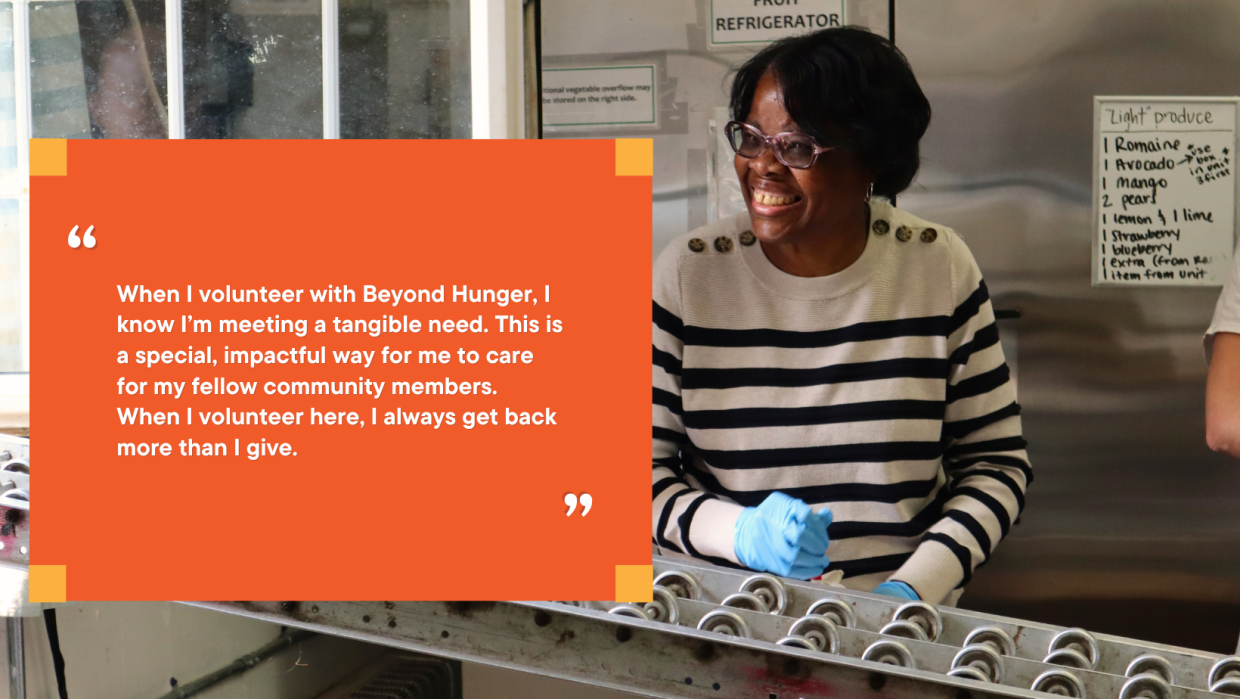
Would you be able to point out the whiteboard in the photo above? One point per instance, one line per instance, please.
(1164, 190)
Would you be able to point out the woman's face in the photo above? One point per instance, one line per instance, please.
(790, 205)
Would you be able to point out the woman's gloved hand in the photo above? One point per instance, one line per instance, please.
(895, 588)
(783, 536)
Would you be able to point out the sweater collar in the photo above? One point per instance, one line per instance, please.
(830, 286)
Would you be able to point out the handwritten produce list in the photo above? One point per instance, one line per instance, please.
(1164, 192)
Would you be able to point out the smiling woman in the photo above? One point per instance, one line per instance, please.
(829, 391)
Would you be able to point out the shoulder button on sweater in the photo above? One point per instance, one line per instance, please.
(747, 238)
(723, 244)
(904, 233)
(697, 245)
(929, 235)
(881, 227)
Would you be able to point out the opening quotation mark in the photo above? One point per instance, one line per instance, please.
(571, 500)
(87, 239)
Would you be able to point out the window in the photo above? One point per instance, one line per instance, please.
(249, 69)
(235, 69)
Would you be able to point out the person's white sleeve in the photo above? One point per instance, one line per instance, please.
(1227, 311)
(684, 520)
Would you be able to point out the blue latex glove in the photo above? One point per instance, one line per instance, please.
(783, 536)
(895, 588)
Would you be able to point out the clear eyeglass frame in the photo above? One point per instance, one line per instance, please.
(781, 144)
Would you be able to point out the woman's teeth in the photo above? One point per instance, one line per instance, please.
(770, 200)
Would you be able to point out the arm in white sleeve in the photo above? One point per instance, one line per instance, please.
(684, 519)
(1222, 344)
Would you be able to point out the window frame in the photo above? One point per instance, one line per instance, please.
(497, 86)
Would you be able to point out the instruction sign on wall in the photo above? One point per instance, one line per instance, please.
(1164, 190)
(741, 22)
(609, 95)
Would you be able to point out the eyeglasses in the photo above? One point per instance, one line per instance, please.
(795, 150)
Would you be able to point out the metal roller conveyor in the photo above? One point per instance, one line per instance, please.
(1073, 649)
(986, 664)
(717, 632)
(15, 527)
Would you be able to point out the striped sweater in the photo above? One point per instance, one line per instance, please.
(880, 392)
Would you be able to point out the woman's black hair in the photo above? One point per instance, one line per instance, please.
(855, 79)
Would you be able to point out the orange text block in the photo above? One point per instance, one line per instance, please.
(268, 370)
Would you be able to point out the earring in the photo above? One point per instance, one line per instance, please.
(870, 194)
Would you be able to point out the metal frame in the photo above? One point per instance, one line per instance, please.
(607, 650)
(331, 68)
(496, 70)
(176, 68)
(480, 67)
(756, 652)
(496, 49)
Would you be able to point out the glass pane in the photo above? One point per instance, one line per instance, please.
(8, 102)
(253, 68)
(98, 69)
(404, 69)
(10, 288)
(10, 242)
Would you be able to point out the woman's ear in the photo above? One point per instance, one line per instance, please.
(870, 174)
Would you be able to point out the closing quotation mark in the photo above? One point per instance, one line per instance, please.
(571, 500)
(87, 239)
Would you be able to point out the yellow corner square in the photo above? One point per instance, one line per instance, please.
(49, 156)
(48, 584)
(634, 157)
(634, 583)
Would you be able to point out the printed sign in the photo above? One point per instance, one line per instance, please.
(741, 22)
(619, 95)
(250, 376)
(1164, 190)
